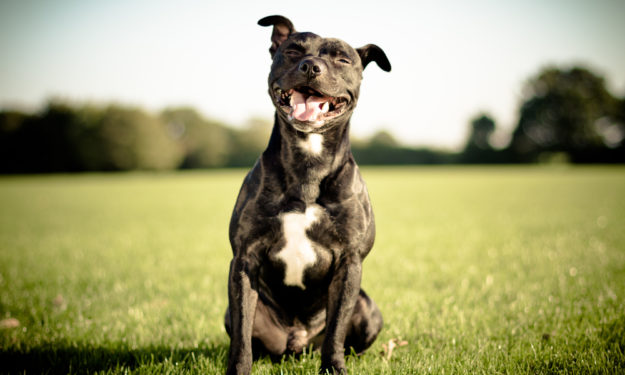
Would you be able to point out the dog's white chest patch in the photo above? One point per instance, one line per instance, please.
(298, 253)
(313, 144)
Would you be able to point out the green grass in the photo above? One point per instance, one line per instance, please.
(516, 270)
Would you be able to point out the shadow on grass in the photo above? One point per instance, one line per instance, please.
(57, 359)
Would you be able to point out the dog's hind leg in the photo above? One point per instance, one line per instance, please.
(365, 325)
(268, 336)
(268, 331)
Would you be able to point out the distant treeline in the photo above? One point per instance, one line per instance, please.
(568, 115)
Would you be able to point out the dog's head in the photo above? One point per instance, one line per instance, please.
(314, 82)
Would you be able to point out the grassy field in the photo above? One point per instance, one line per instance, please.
(516, 270)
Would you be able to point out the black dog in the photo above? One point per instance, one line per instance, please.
(302, 223)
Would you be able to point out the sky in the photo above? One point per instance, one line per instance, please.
(451, 60)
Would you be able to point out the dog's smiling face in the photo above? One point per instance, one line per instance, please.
(314, 81)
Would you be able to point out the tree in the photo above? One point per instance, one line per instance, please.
(206, 143)
(561, 114)
(248, 143)
(478, 148)
(383, 139)
(12, 155)
(383, 149)
(41, 143)
(130, 138)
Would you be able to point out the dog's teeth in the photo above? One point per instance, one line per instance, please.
(325, 107)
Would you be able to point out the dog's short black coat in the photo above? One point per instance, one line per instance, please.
(303, 223)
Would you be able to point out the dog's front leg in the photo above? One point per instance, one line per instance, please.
(342, 296)
(242, 298)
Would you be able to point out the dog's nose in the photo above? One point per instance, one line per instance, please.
(311, 68)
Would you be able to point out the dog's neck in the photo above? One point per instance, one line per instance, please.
(307, 158)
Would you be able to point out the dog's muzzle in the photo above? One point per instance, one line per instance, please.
(307, 105)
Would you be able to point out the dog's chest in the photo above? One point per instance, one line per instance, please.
(299, 253)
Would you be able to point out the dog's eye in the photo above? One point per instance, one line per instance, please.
(344, 61)
(292, 53)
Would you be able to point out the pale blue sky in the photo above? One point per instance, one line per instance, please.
(451, 59)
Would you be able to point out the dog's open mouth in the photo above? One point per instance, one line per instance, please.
(306, 104)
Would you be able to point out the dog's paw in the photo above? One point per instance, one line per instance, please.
(334, 366)
(241, 368)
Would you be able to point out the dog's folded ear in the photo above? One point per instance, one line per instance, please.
(282, 28)
(371, 52)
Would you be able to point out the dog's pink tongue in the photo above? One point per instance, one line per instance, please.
(307, 109)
